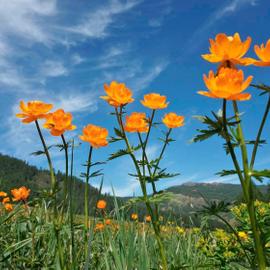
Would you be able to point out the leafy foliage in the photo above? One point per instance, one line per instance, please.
(263, 87)
(123, 152)
(215, 126)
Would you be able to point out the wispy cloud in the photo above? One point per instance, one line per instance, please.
(51, 68)
(74, 101)
(226, 179)
(95, 24)
(225, 10)
(77, 59)
(137, 75)
(129, 189)
(165, 10)
(23, 19)
(19, 138)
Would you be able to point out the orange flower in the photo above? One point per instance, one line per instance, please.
(6, 200)
(117, 94)
(148, 218)
(33, 110)
(228, 84)
(95, 135)
(101, 204)
(263, 52)
(136, 122)
(154, 101)
(228, 48)
(134, 216)
(108, 222)
(58, 122)
(99, 227)
(172, 120)
(8, 206)
(3, 194)
(20, 194)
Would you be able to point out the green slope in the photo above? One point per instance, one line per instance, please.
(214, 191)
(15, 173)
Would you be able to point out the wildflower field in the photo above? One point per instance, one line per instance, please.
(44, 232)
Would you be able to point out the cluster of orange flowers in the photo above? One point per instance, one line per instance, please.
(134, 217)
(229, 83)
(119, 95)
(19, 194)
(59, 122)
(102, 204)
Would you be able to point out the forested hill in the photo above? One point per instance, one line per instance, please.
(187, 197)
(15, 173)
(217, 191)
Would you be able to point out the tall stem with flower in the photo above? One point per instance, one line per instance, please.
(228, 84)
(32, 112)
(96, 137)
(58, 123)
(118, 96)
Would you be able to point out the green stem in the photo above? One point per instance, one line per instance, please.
(144, 191)
(250, 198)
(158, 161)
(242, 143)
(86, 192)
(144, 145)
(53, 181)
(60, 251)
(229, 144)
(163, 150)
(72, 247)
(145, 159)
(254, 152)
(65, 195)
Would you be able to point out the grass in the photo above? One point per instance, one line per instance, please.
(30, 239)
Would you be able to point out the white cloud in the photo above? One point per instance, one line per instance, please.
(233, 179)
(52, 68)
(4, 48)
(114, 56)
(131, 187)
(137, 75)
(76, 59)
(22, 139)
(155, 22)
(10, 77)
(150, 75)
(165, 9)
(76, 102)
(95, 24)
(228, 9)
(22, 18)
(224, 10)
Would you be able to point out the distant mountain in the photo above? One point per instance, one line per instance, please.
(190, 197)
(187, 198)
(15, 173)
(214, 191)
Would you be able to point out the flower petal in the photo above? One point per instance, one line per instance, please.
(240, 97)
(207, 94)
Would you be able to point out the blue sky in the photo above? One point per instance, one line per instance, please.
(64, 51)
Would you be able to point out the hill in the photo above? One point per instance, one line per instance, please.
(15, 173)
(187, 198)
(214, 191)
